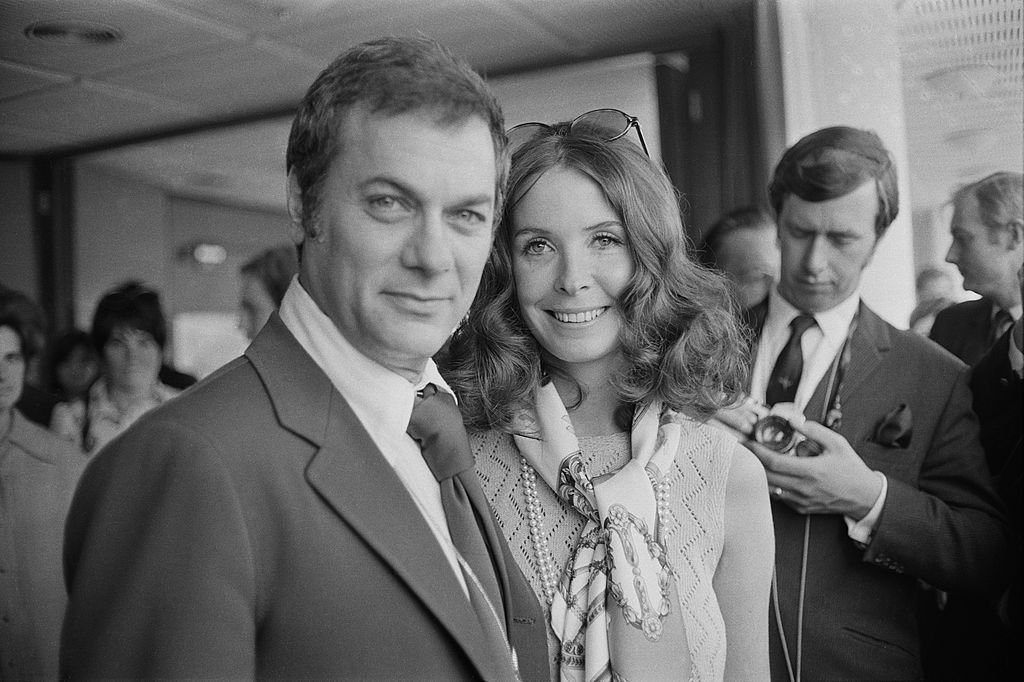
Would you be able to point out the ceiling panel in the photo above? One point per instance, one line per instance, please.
(268, 16)
(150, 32)
(239, 165)
(595, 25)
(87, 112)
(222, 79)
(486, 32)
(19, 80)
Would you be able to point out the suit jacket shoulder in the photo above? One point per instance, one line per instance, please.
(964, 329)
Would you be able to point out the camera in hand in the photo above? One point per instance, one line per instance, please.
(776, 433)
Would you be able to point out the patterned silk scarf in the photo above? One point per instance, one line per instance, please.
(616, 612)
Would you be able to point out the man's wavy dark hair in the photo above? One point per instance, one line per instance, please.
(388, 76)
(832, 162)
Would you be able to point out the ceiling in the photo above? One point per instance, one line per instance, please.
(963, 92)
(196, 65)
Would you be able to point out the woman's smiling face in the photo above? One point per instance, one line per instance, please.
(571, 261)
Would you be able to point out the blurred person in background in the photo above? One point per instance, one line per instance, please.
(72, 365)
(35, 403)
(744, 245)
(988, 249)
(935, 290)
(129, 332)
(265, 278)
(38, 473)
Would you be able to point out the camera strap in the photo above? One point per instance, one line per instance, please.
(831, 417)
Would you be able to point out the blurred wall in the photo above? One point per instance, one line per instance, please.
(18, 269)
(120, 230)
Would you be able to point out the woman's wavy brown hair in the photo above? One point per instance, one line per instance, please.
(681, 341)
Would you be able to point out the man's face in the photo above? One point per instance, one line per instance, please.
(987, 260)
(402, 234)
(12, 369)
(825, 246)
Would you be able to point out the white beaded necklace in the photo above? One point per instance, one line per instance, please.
(534, 515)
(541, 550)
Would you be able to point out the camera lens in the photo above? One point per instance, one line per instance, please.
(775, 433)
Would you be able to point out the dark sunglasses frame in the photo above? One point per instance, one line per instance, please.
(627, 121)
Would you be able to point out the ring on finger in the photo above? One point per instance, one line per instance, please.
(778, 491)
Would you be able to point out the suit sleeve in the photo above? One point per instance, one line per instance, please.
(158, 564)
(949, 530)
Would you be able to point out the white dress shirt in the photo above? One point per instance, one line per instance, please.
(380, 398)
(820, 345)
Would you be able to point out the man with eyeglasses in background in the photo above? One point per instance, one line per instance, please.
(310, 510)
(891, 486)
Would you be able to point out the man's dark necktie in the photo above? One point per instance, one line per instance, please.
(437, 427)
(1002, 321)
(785, 376)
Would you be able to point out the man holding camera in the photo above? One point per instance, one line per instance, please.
(892, 488)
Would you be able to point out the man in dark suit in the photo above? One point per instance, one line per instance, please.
(899, 492)
(278, 520)
(998, 385)
(988, 249)
(978, 637)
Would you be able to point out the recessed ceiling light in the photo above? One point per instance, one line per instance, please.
(73, 32)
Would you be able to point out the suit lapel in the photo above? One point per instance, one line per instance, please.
(870, 342)
(483, 512)
(355, 480)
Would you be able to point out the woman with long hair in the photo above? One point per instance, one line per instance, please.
(587, 367)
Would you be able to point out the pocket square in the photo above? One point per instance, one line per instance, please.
(895, 428)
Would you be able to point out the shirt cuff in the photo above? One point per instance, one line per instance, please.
(861, 531)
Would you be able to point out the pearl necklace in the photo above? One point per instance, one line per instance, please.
(541, 550)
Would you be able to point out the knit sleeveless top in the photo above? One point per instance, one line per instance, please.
(694, 534)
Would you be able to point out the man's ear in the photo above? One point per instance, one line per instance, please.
(295, 209)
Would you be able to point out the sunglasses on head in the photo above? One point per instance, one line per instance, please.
(606, 124)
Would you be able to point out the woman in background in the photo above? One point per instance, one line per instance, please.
(38, 474)
(128, 332)
(72, 365)
(592, 355)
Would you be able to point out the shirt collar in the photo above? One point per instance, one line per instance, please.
(389, 402)
(834, 322)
